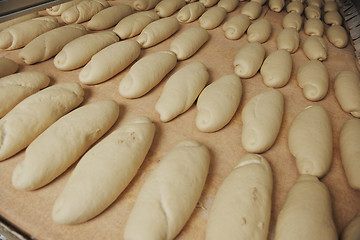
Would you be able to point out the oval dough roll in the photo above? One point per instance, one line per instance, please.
(236, 26)
(314, 26)
(36, 113)
(209, 3)
(317, 3)
(288, 39)
(295, 6)
(190, 12)
(212, 18)
(146, 73)
(218, 103)
(352, 230)
(330, 6)
(143, 5)
(292, 20)
(333, 18)
(228, 5)
(181, 90)
(252, 10)
(170, 193)
(242, 205)
(83, 11)
(165, 8)
(276, 5)
(315, 48)
(7, 66)
(337, 35)
(259, 31)
(310, 141)
(312, 12)
(248, 60)
(57, 10)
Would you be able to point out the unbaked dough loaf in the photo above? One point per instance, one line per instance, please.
(165, 8)
(330, 6)
(181, 90)
(312, 12)
(146, 73)
(276, 5)
(79, 51)
(276, 69)
(16, 87)
(307, 211)
(315, 48)
(190, 12)
(209, 3)
(34, 114)
(292, 20)
(317, 3)
(50, 43)
(17, 20)
(295, 6)
(262, 2)
(310, 141)
(170, 193)
(242, 205)
(236, 26)
(110, 61)
(57, 10)
(83, 11)
(314, 26)
(143, 5)
(333, 18)
(352, 230)
(337, 35)
(259, 31)
(252, 10)
(288, 39)
(228, 5)
(218, 103)
(7, 66)
(248, 60)
(212, 18)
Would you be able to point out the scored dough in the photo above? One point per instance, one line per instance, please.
(236, 26)
(165, 8)
(7, 67)
(248, 59)
(190, 12)
(228, 5)
(83, 11)
(337, 35)
(212, 18)
(288, 39)
(292, 20)
(143, 5)
(314, 26)
(252, 10)
(259, 31)
(315, 48)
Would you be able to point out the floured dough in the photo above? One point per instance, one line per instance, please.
(7, 66)
(295, 6)
(34, 114)
(212, 18)
(143, 5)
(314, 26)
(170, 193)
(209, 3)
(181, 90)
(292, 20)
(248, 60)
(276, 5)
(57, 10)
(110, 61)
(236, 26)
(337, 35)
(146, 73)
(228, 5)
(310, 141)
(190, 12)
(83, 11)
(333, 18)
(288, 39)
(312, 12)
(165, 8)
(352, 230)
(252, 9)
(259, 31)
(218, 102)
(242, 205)
(315, 48)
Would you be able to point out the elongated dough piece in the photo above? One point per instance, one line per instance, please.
(65, 142)
(157, 31)
(228, 5)
(7, 66)
(143, 5)
(218, 102)
(209, 3)
(236, 26)
(310, 141)
(262, 117)
(352, 230)
(252, 9)
(262, 2)
(347, 92)
(312, 12)
(333, 18)
(189, 42)
(276, 69)
(248, 60)
(50, 43)
(17, 20)
(181, 91)
(16, 87)
(259, 31)
(242, 205)
(83, 11)
(57, 10)
(109, 17)
(212, 18)
(79, 51)
(18, 35)
(110, 61)
(314, 26)
(337, 35)
(313, 78)
(288, 39)
(276, 5)
(170, 193)
(315, 48)
(34, 114)
(146, 73)
(295, 6)
(165, 8)
(190, 12)
(292, 20)
(133, 24)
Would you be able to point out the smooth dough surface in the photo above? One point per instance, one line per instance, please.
(330, 6)
(165, 8)
(190, 12)
(288, 39)
(333, 18)
(170, 193)
(314, 26)
(248, 60)
(143, 5)
(337, 35)
(317, 3)
(212, 18)
(83, 11)
(295, 6)
(276, 5)
(228, 5)
(7, 66)
(209, 3)
(236, 26)
(292, 20)
(17, 20)
(252, 10)
(352, 230)
(57, 10)
(312, 12)
(259, 31)
(315, 48)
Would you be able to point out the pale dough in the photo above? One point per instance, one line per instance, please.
(83, 11)
(146, 73)
(314, 26)
(190, 12)
(310, 141)
(276, 5)
(212, 18)
(143, 5)
(242, 205)
(352, 230)
(262, 2)
(337, 35)
(262, 117)
(333, 18)
(209, 3)
(165, 8)
(288, 39)
(312, 12)
(34, 114)
(228, 5)
(316, 3)
(236, 26)
(79, 51)
(181, 90)
(295, 6)
(170, 193)
(330, 6)
(259, 31)
(110, 61)
(307, 212)
(7, 66)
(315, 48)
(57, 10)
(17, 20)
(218, 103)
(252, 10)
(248, 59)
(292, 20)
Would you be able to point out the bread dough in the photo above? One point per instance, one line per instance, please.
(276, 69)
(146, 73)
(165, 8)
(262, 117)
(18, 35)
(79, 51)
(104, 172)
(259, 31)
(143, 5)
(314, 26)
(316, 3)
(190, 12)
(110, 61)
(295, 6)
(83, 11)
(109, 17)
(292, 20)
(189, 42)
(310, 141)
(212, 18)
(262, 2)
(236, 26)
(313, 78)
(337, 35)
(133, 24)
(288, 39)
(50, 43)
(16, 87)
(63, 143)
(209, 3)
(7, 66)
(57, 10)
(34, 114)
(252, 10)
(352, 230)
(228, 5)
(170, 193)
(315, 48)
(276, 5)
(307, 210)
(333, 18)
(218, 103)
(157, 31)
(248, 59)
(347, 92)
(330, 6)
(312, 12)
(17, 20)
(242, 205)
(181, 90)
